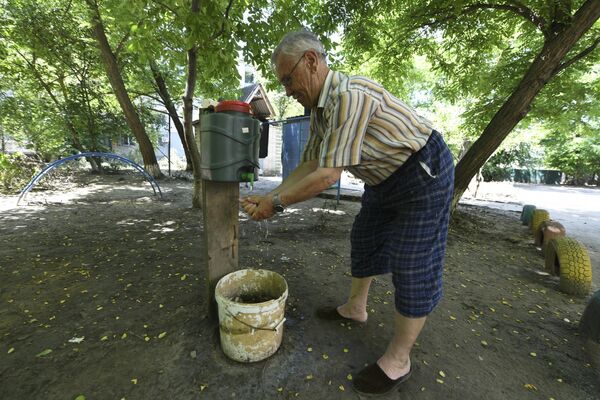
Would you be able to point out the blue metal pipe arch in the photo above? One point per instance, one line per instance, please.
(57, 163)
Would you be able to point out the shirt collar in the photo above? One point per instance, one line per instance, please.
(325, 91)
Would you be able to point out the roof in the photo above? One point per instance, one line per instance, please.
(259, 102)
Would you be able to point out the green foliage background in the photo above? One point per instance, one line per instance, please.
(455, 62)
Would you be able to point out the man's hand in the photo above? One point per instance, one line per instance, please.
(258, 207)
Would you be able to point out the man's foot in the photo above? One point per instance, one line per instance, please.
(346, 311)
(372, 381)
(391, 367)
(335, 314)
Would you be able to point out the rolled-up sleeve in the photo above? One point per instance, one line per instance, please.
(347, 117)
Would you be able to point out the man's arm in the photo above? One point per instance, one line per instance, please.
(261, 207)
(310, 186)
(299, 173)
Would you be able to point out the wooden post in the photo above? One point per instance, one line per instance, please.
(220, 202)
(220, 205)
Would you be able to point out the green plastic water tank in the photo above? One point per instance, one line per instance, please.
(230, 143)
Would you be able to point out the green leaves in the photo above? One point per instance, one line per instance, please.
(478, 54)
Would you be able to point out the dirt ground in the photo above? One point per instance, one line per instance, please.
(103, 296)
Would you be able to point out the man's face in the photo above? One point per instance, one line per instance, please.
(294, 76)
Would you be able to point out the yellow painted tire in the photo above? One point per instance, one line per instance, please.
(551, 261)
(569, 259)
(537, 218)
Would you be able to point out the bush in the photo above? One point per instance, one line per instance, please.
(500, 166)
(15, 171)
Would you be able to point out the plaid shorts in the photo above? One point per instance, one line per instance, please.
(402, 228)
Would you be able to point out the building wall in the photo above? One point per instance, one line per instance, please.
(271, 165)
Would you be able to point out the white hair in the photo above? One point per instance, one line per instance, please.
(297, 43)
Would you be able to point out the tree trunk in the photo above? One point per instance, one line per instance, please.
(118, 86)
(164, 94)
(188, 98)
(545, 66)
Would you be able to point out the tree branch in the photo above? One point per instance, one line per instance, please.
(121, 44)
(141, 94)
(38, 77)
(512, 6)
(577, 57)
(160, 3)
(220, 32)
(527, 13)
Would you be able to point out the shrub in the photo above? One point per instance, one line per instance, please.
(15, 171)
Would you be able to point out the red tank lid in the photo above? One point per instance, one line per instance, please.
(233, 105)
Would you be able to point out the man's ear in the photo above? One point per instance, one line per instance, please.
(312, 59)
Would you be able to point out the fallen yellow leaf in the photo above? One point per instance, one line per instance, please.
(44, 353)
(162, 335)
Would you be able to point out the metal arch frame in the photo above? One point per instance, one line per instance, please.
(56, 163)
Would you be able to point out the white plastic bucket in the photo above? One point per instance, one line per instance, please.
(251, 305)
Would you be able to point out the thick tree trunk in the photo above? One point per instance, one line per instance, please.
(164, 94)
(545, 66)
(117, 84)
(188, 98)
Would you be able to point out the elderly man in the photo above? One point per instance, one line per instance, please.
(356, 124)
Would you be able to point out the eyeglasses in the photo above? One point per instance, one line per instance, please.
(286, 81)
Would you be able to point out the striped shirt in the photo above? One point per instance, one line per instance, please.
(360, 126)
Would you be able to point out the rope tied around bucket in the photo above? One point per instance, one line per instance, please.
(273, 329)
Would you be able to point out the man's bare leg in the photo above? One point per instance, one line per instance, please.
(356, 306)
(395, 362)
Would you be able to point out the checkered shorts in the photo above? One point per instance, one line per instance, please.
(403, 225)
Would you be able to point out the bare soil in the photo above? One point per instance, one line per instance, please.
(104, 295)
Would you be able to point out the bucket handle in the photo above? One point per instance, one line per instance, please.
(274, 329)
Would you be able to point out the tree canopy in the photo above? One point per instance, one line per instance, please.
(481, 69)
